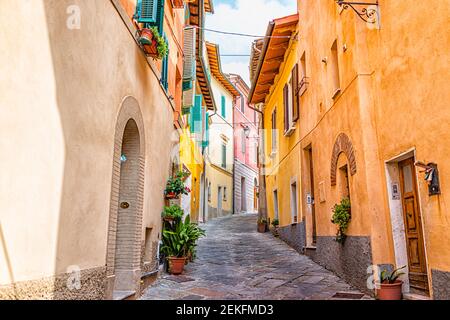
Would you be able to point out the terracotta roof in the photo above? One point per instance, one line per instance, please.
(257, 47)
(216, 68)
(272, 56)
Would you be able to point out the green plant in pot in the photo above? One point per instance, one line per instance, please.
(262, 225)
(173, 213)
(342, 218)
(179, 244)
(276, 225)
(175, 248)
(153, 43)
(390, 287)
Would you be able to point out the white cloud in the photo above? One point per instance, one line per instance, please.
(248, 17)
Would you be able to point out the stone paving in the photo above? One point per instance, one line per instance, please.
(237, 263)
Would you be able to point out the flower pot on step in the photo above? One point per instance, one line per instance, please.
(176, 265)
(390, 291)
(262, 227)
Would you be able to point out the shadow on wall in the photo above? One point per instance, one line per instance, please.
(88, 122)
(7, 260)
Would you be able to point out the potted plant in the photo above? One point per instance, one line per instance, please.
(342, 217)
(262, 225)
(175, 187)
(172, 213)
(175, 248)
(153, 43)
(275, 230)
(390, 287)
(179, 244)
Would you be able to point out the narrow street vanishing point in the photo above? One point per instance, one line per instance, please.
(237, 263)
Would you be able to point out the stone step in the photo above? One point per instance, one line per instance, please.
(415, 296)
(123, 295)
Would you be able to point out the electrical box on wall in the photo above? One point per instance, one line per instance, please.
(432, 176)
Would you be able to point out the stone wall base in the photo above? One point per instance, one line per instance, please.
(295, 236)
(62, 287)
(349, 261)
(441, 284)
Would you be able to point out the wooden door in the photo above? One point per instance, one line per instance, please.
(413, 227)
(313, 200)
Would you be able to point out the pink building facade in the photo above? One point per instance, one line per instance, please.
(246, 149)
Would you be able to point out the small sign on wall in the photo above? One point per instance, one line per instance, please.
(395, 191)
(309, 199)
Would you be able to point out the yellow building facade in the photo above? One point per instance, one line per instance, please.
(373, 126)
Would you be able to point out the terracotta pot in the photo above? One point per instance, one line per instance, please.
(390, 291)
(176, 265)
(146, 36)
(262, 228)
(172, 196)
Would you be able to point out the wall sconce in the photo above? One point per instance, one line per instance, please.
(431, 177)
(368, 14)
(247, 131)
(325, 60)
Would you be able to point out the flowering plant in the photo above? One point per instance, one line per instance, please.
(175, 186)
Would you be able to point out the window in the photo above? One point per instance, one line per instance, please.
(224, 193)
(294, 203)
(242, 104)
(243, 142)
(275, 205)
(274, 131)
(209, 192)
(335, 70)
(345, 185)
(224, 107)
(291, 106)
(304, 81)
(224, 156)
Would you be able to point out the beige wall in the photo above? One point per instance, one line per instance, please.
(60, 95)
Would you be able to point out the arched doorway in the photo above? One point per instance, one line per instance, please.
(125, 226)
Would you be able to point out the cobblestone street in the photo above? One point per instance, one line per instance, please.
(237, 263)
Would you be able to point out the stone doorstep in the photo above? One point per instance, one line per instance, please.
(123, 295)
(415, 296)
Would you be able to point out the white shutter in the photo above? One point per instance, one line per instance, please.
(189, 54)
(189, 68)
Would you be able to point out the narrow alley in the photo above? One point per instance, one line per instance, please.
(237, 263)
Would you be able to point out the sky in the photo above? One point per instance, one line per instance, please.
(243, 16)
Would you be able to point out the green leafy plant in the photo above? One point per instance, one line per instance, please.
(262, 220)
(174, 212)
(181, 241)
(342, 218)
(161, 44)
(387, 277)
(175, 186)
(275, 222)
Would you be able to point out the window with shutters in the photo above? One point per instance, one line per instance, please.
(165, 67)
(224, 156)
(150, 13)
(291, 103)
(274, 132)
(243, 142)
(224, 107)
(304, 80)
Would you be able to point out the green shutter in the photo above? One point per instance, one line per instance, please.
(224, 107)
(196, 115)
(206, 141)
(146, 11)
(165, 68)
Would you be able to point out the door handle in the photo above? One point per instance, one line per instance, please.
(124, 205)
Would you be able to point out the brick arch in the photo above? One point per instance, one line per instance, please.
(344, 145)
(125, 225)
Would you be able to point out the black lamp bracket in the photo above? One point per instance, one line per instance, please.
(368, 13)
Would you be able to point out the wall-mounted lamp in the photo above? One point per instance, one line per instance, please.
(325, 60)
(431, 177)
(368, 14)
(247, 131)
